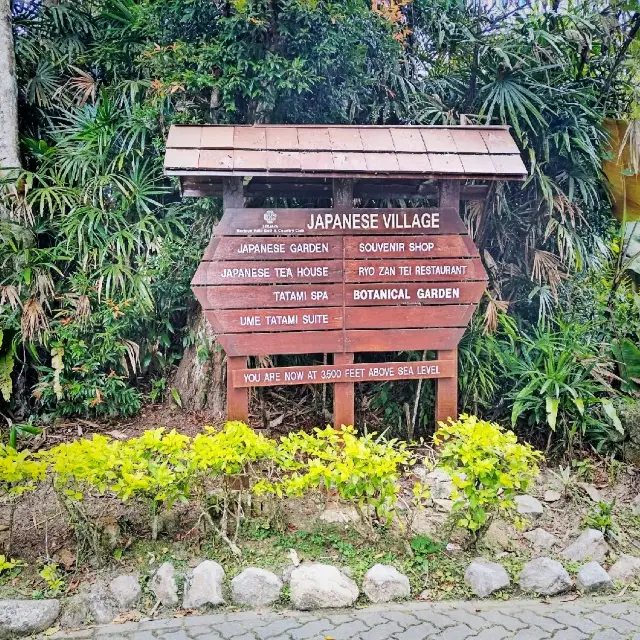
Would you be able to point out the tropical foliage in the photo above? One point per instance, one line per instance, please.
(98, 247)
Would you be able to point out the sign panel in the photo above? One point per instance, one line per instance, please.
(278, 281)
(338, 222)
(323, 374)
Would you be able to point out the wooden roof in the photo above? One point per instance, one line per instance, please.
(344, 151)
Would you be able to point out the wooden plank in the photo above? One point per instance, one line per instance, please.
(283, 222)
(237, 398)
(373, 340)
(266, 296)
(207, 186)
(437, 270)
(445, 246)
(323, 374)
(294, 342)
(274, 248)
(247, 272)
(274, 320)
(449, 315)
(343, 395)
(447, 389)
(409, 293)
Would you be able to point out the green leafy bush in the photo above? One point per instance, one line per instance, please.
(488, 466)
(559, 379)
(362, 469)
(91, 359)
(218, 471)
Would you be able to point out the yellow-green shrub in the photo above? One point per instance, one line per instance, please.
(19, 472)
(488, 467)
(363, 469)
(155, 469)
(85, 464)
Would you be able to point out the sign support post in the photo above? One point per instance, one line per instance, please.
(447, 388)
(237, 397)
(343, 392)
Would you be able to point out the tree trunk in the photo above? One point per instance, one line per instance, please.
(200, 379)
(9, 149)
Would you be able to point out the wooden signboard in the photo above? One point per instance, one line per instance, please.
(340, 280)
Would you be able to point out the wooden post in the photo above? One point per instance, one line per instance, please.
(343, 392)
(237, 398)
(447, 388)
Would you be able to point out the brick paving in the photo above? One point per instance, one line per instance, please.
(583, 619)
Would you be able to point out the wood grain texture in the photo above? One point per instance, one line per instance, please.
(323, 374)
(447, 389)
(343, 395)
(410, 293)
(339, 222)
(454, 315)
(418, 247)
(275, 320)
(264, 344)
(268, 296)
(260, 249)
(374, 340)
(436, 270)
(248, 272)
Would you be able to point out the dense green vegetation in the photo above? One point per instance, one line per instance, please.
(98, 248)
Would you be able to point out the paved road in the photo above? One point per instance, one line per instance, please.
(514, 620)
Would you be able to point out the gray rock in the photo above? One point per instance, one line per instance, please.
(204, 586)
(321, 586)
(626, 569)
(541, 539)
(102, 606)
(592, 577)
(345, 515)
(126, 591)
(441, 504)
(591, 491)
(427, 522)
(255, 587)
(544, 576)
(635, 506)
(348, 571)
(163, 584)
(75, 612)
(384, 583)
(499, 536)
(529, 507)
(591, 545)
(25, 617)
(440, 483)
(484, 577)
(286, 573)
(552, 496)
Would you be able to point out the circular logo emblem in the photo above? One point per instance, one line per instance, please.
(270, 216)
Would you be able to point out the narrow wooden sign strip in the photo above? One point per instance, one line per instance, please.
(323, 374)
(268, 296)
(308, 248)
(445, 246)
(339, 222)
(264, 344)
(250, 320)
(414, 270)
(374, 340)
(236, 272)
(454, 315)
(410, 293)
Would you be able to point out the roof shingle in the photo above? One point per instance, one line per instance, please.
(488, 152)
